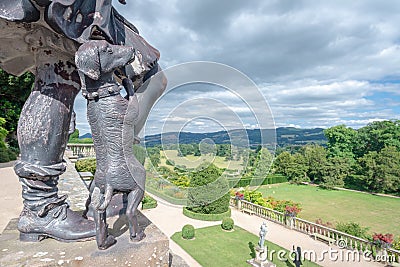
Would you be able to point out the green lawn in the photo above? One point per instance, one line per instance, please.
(191, 161)
(381, 214)
(214, 247)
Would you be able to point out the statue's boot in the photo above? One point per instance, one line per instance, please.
(42, 137)
(46, 214)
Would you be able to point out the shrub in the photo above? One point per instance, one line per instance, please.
(227, 223)
(86, 165)
(354, 229)
(206, 217)
(209, 191)
(396, 244)
(188, 231)
(7, 154)
(148, 202)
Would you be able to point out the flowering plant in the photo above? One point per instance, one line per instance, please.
(292, 211)
(239, 196)
(382, 241)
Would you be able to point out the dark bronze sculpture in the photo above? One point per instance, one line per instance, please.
(108, 119)
(42, 36)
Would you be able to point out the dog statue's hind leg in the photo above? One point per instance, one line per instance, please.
(104, 240)
(134, 199)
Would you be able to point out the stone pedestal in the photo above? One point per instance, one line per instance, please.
(151, 251)
(261, 259)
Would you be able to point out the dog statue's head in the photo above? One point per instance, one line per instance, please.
(98, 57)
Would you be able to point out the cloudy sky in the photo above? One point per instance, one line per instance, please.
(316, 63)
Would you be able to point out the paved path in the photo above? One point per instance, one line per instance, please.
(169, 219)
(10, 196)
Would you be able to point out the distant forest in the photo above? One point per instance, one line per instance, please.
(285, 136)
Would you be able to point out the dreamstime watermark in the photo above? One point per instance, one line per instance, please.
(200, 95)
(331, 254)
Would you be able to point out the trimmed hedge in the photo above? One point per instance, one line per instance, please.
(227, 223)
(188, 231)
(206, 217)
(167, 198)
(273, 179)
(148, 202)
(86, 165)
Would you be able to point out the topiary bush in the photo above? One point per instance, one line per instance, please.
(209, 191)
(188, 231)
(227, 223)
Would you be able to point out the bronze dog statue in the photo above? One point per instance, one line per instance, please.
(112, 130)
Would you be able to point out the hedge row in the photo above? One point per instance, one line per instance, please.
(275, 179)
(170, 199)
(86, 165)
(206, 217)
(148, 202)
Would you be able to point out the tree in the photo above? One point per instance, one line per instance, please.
(340, 141)
(262, 164)
(283, 162)
(297, 171)
(315, 156)
(381, 170)
(335, 171)
(74, 135)
(13, 93)
(153, 154)
(377, 135)
(224, 150)
(6, 154)
(209, 191)
(185, 149)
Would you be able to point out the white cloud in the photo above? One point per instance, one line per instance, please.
(318, 63)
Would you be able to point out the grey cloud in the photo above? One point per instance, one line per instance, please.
(296, 51)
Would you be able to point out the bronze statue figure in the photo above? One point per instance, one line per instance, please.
(42, 36)
(107, 115)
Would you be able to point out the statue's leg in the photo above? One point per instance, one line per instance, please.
(134, 199)
(42, 136)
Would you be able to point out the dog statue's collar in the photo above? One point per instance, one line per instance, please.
(101, 92)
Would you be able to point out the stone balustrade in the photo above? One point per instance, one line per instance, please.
(82, 150)
(342, 239)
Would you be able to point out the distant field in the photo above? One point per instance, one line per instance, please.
(191, 161)
(381, 214)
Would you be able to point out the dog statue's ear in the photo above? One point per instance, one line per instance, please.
(88, 62)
